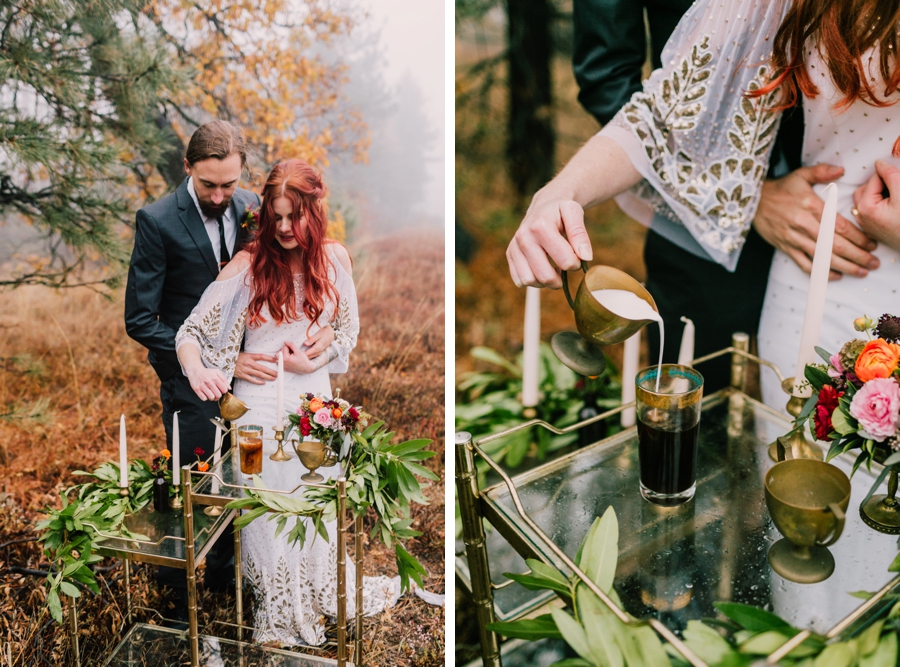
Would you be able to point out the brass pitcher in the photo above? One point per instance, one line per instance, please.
(596, 325)
(807, 500)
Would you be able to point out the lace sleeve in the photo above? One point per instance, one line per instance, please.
(700, 144)
(345, 320)
(216, 325)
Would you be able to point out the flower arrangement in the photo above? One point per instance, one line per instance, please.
(202, 465)
(330, 420)
(160, 464)
(856, 398)
(251, 218)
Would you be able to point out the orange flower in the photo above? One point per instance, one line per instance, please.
(316, 404)
(336, 413)
(202, 466)
(166, 453)
(878, 359)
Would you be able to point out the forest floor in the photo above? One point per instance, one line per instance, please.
(68, 370)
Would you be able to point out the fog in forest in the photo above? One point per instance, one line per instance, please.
(396, 78)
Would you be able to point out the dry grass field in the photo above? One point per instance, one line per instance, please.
(67, 370)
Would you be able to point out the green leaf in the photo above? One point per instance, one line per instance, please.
(868, 639)
(817, 377)
(572, 662)
(573, 633)
(542, 627)
(895, 564)
(883, 656)
(751, 618)
(408, 447)
(706, 643)
(823, 354)
(650, 646)
(55, 606)
(840, 423)
(69, 589)
(599, 628)
(601, 550)
(488, 355)
(248, 517)
(835, 655)
(421, 471)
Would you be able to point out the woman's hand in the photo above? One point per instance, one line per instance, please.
(879, 216)
(208, 383)
(295, 360)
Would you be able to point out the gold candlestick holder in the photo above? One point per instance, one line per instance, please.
(280, 455)
(795, 444)
(175, 501)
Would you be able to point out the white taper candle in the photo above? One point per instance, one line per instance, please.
(176, 452)
(123, 455)
(686, 351)
(630, 361)
(531, 355)
(279, 402)
(818, 283)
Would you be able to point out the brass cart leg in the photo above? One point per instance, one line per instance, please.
(73, 631)
(740, 341)
(476, 548)
(127, 568)
(190, 564)
(357, 654)
(238, 584)
(342, 572)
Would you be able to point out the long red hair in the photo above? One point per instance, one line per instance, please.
(844, 30)
(270, 265)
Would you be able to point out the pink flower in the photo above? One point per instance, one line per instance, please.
(323, 417)
(837, 369)
(876, 406)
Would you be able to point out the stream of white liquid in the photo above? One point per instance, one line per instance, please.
(630, 306)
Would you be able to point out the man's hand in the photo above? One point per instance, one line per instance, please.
(249, 368)
(540, 239)
(318, 342)
(208, 383)
(788, 218)
(296, 360)
(879, 216)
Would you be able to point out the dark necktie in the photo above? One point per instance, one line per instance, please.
(223, 247)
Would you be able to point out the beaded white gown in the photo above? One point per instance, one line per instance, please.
(853, 139)
(294, 588)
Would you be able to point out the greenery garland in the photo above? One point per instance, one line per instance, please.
(751, 634)
(70, 534)
(380, 475)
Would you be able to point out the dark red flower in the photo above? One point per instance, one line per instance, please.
(305, 426)
(825, 407)
(198, 451)
(353, 413)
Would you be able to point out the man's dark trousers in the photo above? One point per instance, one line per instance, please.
(171, 265)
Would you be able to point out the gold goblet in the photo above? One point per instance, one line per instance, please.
(807, 501)
(312, 454)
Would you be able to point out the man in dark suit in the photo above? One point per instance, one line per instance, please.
(180, 244)
(610, 47)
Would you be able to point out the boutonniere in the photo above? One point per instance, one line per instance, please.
(251, 218)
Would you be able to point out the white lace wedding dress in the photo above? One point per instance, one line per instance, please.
(294, 588)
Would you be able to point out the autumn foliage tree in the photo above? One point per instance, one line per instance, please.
(97, 98)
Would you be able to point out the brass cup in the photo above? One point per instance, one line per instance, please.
(596, 325)
(231, 407)
(807, 500)
(312, 454)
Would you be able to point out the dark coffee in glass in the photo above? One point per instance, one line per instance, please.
(668, 421)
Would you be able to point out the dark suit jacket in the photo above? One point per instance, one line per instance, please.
(171, 265)
(610, 46)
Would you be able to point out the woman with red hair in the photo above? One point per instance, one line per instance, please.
(288, 283)
(688, 156)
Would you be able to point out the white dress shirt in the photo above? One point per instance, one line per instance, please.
(212, 225)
